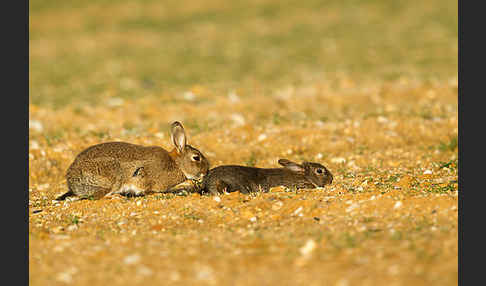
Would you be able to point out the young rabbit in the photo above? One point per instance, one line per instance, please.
(230, 178)
(129, 169)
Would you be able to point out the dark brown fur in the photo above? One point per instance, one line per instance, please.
(230, 178)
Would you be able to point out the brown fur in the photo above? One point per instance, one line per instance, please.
(125, 168)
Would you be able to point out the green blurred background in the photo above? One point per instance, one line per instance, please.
(81, 51)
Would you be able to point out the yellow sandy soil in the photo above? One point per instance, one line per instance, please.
(389, 218)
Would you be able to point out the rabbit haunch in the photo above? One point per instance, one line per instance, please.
(130, 169)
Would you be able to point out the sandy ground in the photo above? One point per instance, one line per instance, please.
(389, 218)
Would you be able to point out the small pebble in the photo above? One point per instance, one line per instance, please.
(238, 119)
(36, 125)
(34, 145)
(57, 229)
(42, 187)
(204, 272)
(132, 259)
(308, 248)
(398, 205)
(115, 101)
(233, 97)
(66, 276)
(382, 119)
(352, 207)
(262, 137)
(189, 96)
(338, 160)
(144, 271)
(276, 206)
(298, 210)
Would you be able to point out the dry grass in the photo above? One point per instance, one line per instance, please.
(367, 88)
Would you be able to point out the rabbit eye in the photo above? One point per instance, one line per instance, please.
(196, 158)
(319, 171)
(137, 172)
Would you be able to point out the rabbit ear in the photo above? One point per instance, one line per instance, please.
(178, 136)
(291, 165)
